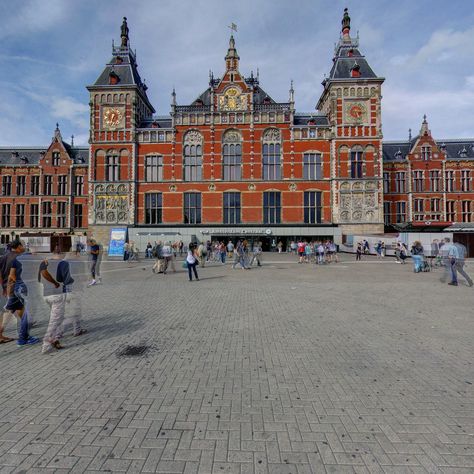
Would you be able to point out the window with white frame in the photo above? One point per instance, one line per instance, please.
(272, 207)
(466, 215)
(401, 215)
(112, 168)
(465, 180)
(386, 182)
(61, 214)
(20, 185)
(312, 166)
(153, 168)
(387, 212)
(357, 157)
(271, 152)
(400, 180)
(418, 209)
(435, 180)
(231, 208)
(425, 153)
(451, 211)
(435, 209)
(418, 181)
(449, 181)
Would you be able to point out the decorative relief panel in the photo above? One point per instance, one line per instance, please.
(232, 136)
(111, 204)
(272, 135)
(358, 202)
(193, 137)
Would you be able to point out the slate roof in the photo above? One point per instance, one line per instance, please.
(157, 122)
(343, 64)
(15, 156)
(457, 149)
(319, 120)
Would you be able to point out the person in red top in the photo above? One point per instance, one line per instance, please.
(300, 248)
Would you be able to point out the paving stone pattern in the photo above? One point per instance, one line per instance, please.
(348, 368)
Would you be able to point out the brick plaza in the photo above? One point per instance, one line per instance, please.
(287, 368)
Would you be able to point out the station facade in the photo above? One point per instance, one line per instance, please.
(237, 163)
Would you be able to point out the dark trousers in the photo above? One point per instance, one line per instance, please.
(358, 254)
(192, 268)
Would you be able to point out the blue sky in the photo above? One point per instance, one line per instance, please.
(52, 49)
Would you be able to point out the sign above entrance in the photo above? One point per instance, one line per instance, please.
(237, 231)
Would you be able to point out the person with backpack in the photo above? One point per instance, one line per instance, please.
(159, 260)
(417, 255)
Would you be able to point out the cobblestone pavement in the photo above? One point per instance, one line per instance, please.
(354, 367)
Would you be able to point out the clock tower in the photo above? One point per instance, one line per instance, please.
(118, 104)
(351, 99)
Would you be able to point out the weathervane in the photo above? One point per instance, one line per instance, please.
(233, 27)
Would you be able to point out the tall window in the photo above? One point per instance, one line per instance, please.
(386, 183)
(401, 212)
(451, 211)
(232, 161)
(153, 208)
(47, 185)
(61, 214)
(450, 181)
(271, 161)
(78, 185)
(47, 212)
(153, 168)
(112, 168)
(192, 208)
(192, 162)
(6, 185)
(34, 215)
(6, 215)
(387, 214)
(435, 181)
(312, 166)
(466, 211)
(56, 158)
(435, 209)
(400, 186)
(425, 153)
(62, 185)
(418, 184)
(20, 185)
(272, 207)
(356, 164)
(312, 207)
(418, 209)
(77, 223)
(35, 185)
(465, 180)
(20, 216)
(231, 208)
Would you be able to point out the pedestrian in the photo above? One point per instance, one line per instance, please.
(16, 291)
(280, 246)
(359, 250)
(366, 247)
(78, 248)
(230, 249)
(403, 252)
(417, 255)
(222, 252)
(320, 250)
(192, 262)
(167, 253)
(159, 259)
(460, 262)
(257, 254)
(95, 262)
(148, 250)
(202, 254)
(126, 251)
(301, 246)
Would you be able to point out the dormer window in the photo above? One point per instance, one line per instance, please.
(15, 154)
(266, 100)
(350, 53)
(398, 154)
(118, 60)
(425, 153)
(355, 71)
(24, 159)
(56, 158)
(463, 153)
(442, 147)
(154, 124)
(113, 78)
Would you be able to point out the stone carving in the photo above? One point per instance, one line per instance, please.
(345, 186)
(357, 186)
(369, 215)
(357, 200)
(109, 189)
(193, 137)
(292, 187)
(272, 135)
(173, 188)
(111, 216)
(370, 200)
(212, 187)
(345, 202)
(370, 185)
(232, 136)
(121, 188)
(252, 187)
(357, 215)
(344, 216)
(100, 188)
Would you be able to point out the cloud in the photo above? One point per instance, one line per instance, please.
(71, 110)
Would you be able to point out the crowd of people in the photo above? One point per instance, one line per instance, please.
(315, 251)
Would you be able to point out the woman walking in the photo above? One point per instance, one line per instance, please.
(417, 255)
(191, 261)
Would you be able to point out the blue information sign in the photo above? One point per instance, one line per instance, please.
(118, 237)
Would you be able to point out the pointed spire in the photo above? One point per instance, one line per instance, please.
(173, 97)
(57, 133)
(124, 33)
(346, 24)
(292, 93)
(232, 58)
(72, 140)
(424, 127)
(409, 135)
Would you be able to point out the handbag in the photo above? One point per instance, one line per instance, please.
(185, 264)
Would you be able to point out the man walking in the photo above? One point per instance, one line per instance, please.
(95, 262)
(257, 254)
(14, 288)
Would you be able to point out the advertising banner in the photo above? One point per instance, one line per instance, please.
(118, 237)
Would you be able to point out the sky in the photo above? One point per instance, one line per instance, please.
(52, 49)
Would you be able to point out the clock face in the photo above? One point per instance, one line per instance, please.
(356, 112)
(113, 116)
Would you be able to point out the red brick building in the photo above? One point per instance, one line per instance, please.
(237, 163)
(44, 191)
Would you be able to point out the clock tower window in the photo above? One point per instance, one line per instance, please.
(112, 168)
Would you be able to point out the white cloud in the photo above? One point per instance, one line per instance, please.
(71, 110)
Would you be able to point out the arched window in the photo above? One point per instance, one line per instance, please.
(232, 156)
(272, 154)
(192, 156)
(357, 159)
